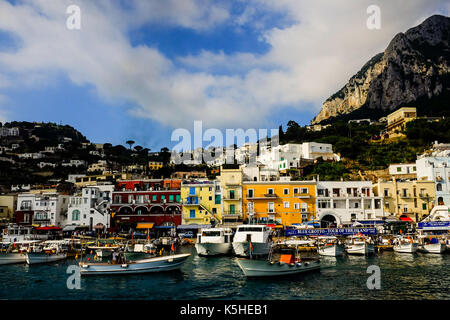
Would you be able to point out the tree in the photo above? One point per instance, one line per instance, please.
(130, 143)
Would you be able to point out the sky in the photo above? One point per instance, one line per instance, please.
(141, 69)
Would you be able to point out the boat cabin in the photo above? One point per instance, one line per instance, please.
(252, 233)
(215, 235)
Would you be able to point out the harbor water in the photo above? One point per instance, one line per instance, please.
(403, 276)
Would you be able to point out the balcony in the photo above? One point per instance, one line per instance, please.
(302, 195)
(405, 195)
(228, 198)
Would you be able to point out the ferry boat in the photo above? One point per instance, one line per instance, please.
(156, 264)
(330, 246)
(215, 241)
(406, 244)
(14, 233)
(252, 239)
(360, 245)
(431, 244)
(288, 264)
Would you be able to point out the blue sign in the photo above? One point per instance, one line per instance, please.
(330, 232)
(434, 225)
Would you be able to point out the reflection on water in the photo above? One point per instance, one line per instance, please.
(403, 276)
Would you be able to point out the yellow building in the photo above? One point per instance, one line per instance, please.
(201, 202)
(283, 202)
(82, 182)
(8, 205)
(407, 199)
(155, 165)
(231, 188)
(396, 121)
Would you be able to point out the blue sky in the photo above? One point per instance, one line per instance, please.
(140, 69)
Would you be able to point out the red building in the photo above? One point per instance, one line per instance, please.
(151, 201)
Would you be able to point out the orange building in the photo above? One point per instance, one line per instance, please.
(281, 202)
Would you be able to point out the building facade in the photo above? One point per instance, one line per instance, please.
(344, 202)
(279, 202)
(202, 202)
(231, 191)
(43, 209)
(407, 199)
(8, 205)
(436, 169)
(396, 121)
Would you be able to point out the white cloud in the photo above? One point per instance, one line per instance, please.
(308, 60)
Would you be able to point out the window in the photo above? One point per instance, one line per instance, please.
(250, 193)
(304, 207)
(178, 198)
(323, 204)
(424, 206)
(286, 204)
(404, 192)
(270, 191)
(304, 190)
(154, 197)
(296, 206)
(304, 217)
(405, 208)
(217, 199)
(192, 213)
(295, 190)
(270, 207)
(231, 194)
(285, 191)
(438, 187)
(232, 209)
(386, 192)
(171, 198)
(356, 205)
(399, 169)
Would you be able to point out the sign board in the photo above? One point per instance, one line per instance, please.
(330, 232)
(434, 225)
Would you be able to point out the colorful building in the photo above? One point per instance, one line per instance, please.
(8, 204)
(396, 121)
(201, 202)
(279, 202)
(145, 201)
(231, 188)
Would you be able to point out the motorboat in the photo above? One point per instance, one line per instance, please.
(156, 264)
(361, 245)
(214, 241)
(252, 240)
(432, 244)
(330, 246)
(405, 244)
(288, 264)
(43, 253)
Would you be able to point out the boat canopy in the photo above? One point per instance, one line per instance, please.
(406, 219)
(145, 225)
(194, 226)
(48, 228)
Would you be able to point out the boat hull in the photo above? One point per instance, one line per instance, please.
(361, 249)
(406, 248)
(331, 251)
(42, 257)
(213, 249)
(433, 248)
(242, 249)
(12, 258)
(158, 264)
(264, 268)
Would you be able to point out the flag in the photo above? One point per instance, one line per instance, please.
(251, 246)
(148, 236)
(172, 248)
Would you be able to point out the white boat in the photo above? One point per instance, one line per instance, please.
(360, 245)
(287, 265)
(432, 244)
(330, 247)
(215, 241)
(44, 257)
(12, 257)
(157, 264)
(252, 240)
(12, 253)
(405, 245)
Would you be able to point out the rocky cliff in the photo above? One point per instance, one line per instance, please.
(414, 67)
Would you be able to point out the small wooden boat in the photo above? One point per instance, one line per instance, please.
(432, 244)
(44, 257)
(157, 264)
(405, 245)
(288, 264)
(360, 245)
(12, 253)
(330, 247)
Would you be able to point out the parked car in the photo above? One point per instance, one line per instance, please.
(187, 234)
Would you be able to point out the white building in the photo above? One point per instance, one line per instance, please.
(345, 202)
(91, 208)
(74, 163)
(43, 164)
(436, 169)
(6, 132)
(403, 169)
(314, 150)
(100, 165)
(35, 155)
(43, 209)
(73, 177)
(259, 172)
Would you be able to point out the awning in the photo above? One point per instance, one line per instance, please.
(69, 228)
(48, 228)
(194, 226)
(145, 225)
(165, 227)
(406, 219)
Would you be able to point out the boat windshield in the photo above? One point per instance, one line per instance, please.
(250, 229)
(211, 233)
